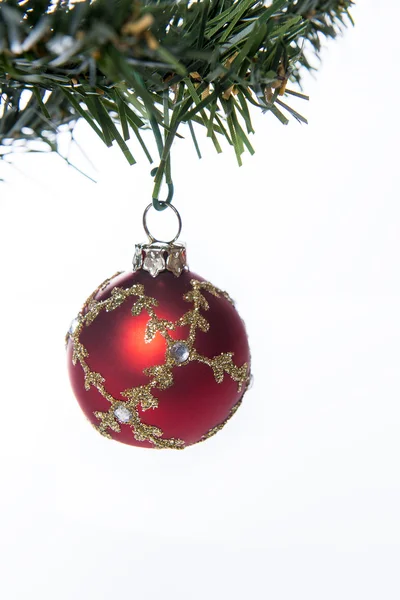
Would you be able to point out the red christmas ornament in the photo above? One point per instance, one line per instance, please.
(158, 358)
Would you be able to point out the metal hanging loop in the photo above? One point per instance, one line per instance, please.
(163, 204)
(150, 236)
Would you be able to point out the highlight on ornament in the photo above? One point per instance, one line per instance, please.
(158, 357)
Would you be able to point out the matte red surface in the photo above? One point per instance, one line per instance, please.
(195, 402)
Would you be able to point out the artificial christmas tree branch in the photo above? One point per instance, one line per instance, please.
(126, 66)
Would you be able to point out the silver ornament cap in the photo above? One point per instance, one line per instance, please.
(158, 257)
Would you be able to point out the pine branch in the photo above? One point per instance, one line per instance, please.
(124, 67)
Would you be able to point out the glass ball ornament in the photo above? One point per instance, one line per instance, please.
(158, 357)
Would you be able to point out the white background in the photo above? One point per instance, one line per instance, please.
(298, 498)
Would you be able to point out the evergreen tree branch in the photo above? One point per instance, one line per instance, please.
(126, 66)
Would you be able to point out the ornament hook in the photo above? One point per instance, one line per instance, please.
(150, 236)
(162, 204)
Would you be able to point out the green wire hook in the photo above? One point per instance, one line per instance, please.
(162, 204)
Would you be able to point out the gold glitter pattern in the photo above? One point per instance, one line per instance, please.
(160, 376)
(218, 428)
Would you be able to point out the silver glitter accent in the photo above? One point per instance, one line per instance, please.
(74, 325)
(179, 352)
(123, 414)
